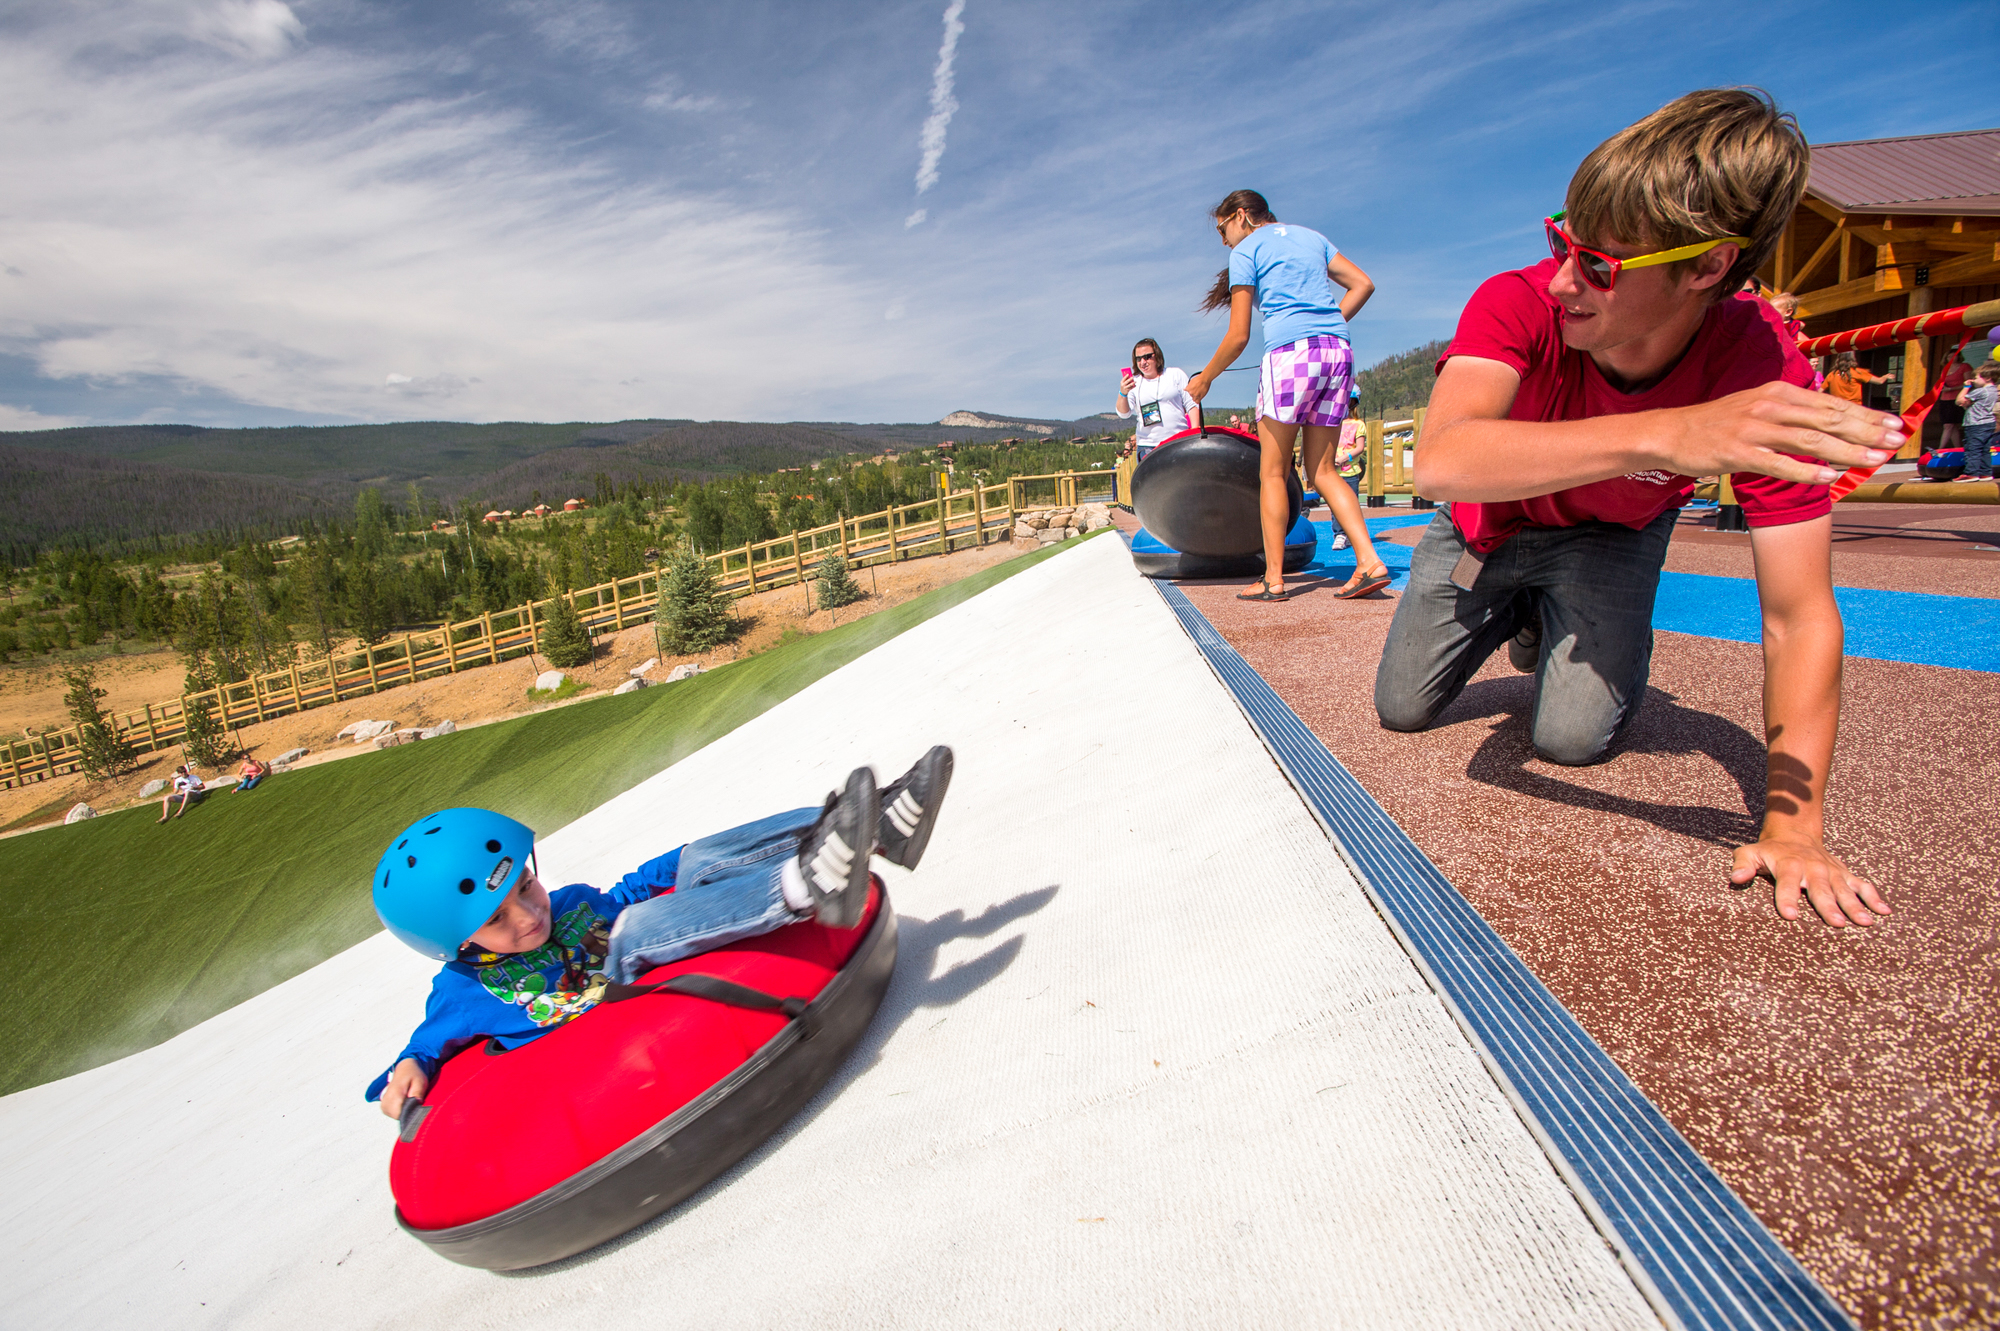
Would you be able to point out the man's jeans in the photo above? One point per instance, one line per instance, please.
(1594, 586)
(728, 889)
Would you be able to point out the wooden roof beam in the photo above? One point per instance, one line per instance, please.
(1964, 270)
(1819, 255)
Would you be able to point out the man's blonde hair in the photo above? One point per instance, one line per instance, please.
(1718, 162)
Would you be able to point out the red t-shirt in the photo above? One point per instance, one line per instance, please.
(1513, 319)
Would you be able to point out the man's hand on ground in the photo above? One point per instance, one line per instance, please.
(1803, 865)
(407, 1082)
(1756, 429)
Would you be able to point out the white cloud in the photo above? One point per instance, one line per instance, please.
(275, 231)
(260, 28)
(916, 218)
(586, 27)
(21, 418)
(943, 104)
(672, 101)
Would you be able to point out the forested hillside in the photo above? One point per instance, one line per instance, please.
(50, 498)
(338, 457)
(1396, 386)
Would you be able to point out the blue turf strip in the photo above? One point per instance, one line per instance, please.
(1961, 632)
(1696, 1251)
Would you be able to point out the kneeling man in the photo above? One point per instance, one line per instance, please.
(1573, 410)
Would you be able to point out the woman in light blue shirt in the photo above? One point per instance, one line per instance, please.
(1288, 273)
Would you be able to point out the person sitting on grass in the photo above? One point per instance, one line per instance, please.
(1573, 410)
(185, 784)
(461, 886)
(250, 774)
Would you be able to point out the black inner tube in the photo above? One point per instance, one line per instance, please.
(1198, 492)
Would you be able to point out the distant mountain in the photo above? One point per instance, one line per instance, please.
(694, 452)
(110, 484)
(337, 458)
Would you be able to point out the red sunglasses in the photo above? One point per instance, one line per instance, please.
(1601, 270)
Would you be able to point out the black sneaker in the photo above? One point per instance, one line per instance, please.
(910, 807)
(833, 856)
(1524, 649)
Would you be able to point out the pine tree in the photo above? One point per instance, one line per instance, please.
(565, 641)
(835, 587)
(203, 737)
(692, 616)
(105, 752)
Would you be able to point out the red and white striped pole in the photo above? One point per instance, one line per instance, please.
(1965, 321)
(1938, 323)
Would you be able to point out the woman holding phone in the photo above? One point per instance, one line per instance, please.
(1289, 272)
(1157, 395)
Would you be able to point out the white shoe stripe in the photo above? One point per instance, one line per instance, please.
(832, 866)
(905, 813)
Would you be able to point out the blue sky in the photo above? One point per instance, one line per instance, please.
(241, 212)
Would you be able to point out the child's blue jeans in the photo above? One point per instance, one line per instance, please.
(728, 888)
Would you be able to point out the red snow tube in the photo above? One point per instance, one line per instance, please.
(524, 1156)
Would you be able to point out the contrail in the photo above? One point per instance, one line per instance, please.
(942, 106)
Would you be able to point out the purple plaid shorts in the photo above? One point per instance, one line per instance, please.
(1306, 383)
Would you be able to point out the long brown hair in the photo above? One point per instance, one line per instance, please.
(1844, 363)
(1236, 201)
(1159, 365)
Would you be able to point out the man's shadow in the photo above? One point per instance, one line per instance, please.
(1662, 726)
(915, 987)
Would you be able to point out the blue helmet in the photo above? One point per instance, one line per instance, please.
(446, 874)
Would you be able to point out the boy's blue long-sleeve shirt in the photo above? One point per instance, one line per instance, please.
(524, 995)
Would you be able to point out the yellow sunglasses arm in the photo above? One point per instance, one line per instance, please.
(1684, 252)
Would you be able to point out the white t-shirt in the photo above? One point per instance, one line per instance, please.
(1162, 406)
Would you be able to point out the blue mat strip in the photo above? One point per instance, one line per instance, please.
(1921, 628)
(1693, 1247)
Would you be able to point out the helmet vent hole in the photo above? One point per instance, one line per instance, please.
(493, 847)
(467, 886)
(412, 859)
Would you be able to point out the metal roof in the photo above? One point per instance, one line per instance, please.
(1922, 173)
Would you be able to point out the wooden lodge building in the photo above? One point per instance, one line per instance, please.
(1890, 228)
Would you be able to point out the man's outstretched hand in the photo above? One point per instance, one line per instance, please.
(1759, 428)
(1802, 865)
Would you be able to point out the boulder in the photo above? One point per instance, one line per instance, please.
(1036, 520)
(152, 788)
(1022, 531)
(441, 728)
(347, 731)
(289, 756)
(393, 738)
(685, 670)
(367, 730)
(550, 680)
(78, 814)
(639, 670)
(630, 686)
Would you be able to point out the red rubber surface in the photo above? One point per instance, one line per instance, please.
(504, 1129)
(1845, 1083)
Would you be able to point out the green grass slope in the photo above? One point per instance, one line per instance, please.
(127, 932)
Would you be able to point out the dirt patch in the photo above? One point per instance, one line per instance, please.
(32, 695)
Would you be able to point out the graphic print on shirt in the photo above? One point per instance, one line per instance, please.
(578, 942)
(1149, 413)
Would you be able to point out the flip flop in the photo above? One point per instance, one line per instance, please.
(1266, 595)
(1347, 591)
